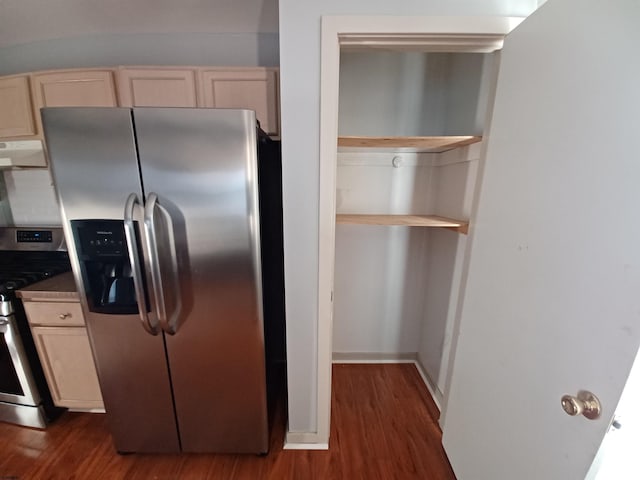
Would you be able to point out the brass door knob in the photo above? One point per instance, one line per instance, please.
(585, 403)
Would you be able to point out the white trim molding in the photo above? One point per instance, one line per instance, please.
(482, 43)
(451, 34)
(304, 441)
(368, 357)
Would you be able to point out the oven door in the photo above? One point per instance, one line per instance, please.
(17, 384)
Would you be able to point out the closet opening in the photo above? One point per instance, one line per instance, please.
(402, 120)
(410, 126)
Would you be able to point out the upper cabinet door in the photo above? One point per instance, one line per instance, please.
(251, 88)
(16, 115)
(157, 87)
(75, 88)
(551, 303)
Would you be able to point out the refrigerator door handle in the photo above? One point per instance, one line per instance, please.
(134, 259)
(168, 321)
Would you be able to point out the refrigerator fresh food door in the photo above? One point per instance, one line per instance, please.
(199, 168)
(94, 165)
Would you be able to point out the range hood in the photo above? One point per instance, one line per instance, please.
(22, 153)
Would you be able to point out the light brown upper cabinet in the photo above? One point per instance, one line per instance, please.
(157, 87)
(255, 88)
(22, 96)
(73, 88)
(16, 114)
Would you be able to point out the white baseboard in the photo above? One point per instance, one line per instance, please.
(305, 446)
(368, 357)
(304, 441)
(432, 387)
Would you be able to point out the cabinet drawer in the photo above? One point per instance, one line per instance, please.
(54, 313)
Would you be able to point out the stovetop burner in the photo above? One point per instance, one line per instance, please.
(19, 269)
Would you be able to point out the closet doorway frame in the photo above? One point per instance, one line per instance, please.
(418, 33)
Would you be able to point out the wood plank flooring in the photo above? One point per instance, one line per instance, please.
(384, 427)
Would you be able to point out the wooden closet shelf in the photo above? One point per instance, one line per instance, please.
(427, 144)
(404, 220)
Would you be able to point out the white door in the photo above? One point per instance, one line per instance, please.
(552, 298)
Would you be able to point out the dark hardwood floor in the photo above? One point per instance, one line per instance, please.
(384, 427)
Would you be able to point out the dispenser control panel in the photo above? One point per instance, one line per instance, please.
(101, 238)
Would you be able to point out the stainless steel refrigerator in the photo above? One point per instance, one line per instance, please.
(161, 213)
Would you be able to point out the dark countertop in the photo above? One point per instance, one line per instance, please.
(60, 287)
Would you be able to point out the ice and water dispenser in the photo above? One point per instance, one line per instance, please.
(105, 266)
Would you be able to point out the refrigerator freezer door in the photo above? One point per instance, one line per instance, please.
(92, 153)
(203, 166)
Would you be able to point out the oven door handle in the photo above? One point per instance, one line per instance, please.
(136, 269)
(20, 362)
(168, 320)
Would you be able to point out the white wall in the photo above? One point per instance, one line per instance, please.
(413, 93)
(453, 184)
(379, 290)
(470, 78)
(38, 35)
(380, 272)
(207, 48)
(300, 107)
(406, 96)
(32, 198)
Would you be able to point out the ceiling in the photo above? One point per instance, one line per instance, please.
(26, 21)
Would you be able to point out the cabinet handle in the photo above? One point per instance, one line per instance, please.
(62, 316)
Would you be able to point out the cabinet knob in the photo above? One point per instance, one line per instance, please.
(62, 316)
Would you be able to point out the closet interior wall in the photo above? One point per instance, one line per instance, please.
(396, 287)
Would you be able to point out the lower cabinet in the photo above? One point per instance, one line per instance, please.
(63, 347)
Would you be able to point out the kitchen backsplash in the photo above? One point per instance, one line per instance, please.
(32, 198)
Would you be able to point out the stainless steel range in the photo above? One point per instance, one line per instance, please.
(27, 255)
